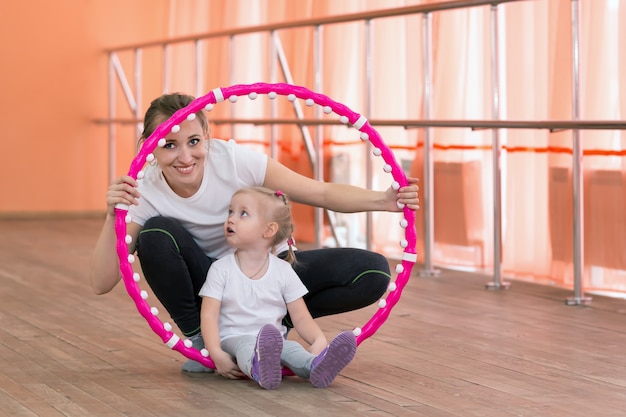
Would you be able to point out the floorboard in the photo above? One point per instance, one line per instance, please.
(450, 348)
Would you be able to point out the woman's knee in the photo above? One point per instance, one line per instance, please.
(376, 274)
(158, 233)
(162, 223)
(379, 262)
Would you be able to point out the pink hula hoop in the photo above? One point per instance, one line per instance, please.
(347, 116)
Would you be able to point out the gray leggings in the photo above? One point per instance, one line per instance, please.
(294, 356)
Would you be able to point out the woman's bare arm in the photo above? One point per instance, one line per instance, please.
(104, 271)
(338, 197)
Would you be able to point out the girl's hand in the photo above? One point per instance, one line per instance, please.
(318, 346)
(122, 191)
(406, 195)
(225, 366)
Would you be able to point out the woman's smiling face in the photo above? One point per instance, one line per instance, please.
(182, 158)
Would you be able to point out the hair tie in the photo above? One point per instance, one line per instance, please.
(279, 193)
(290, 242)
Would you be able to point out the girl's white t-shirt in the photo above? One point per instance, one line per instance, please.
(228, 167)
(247, 304)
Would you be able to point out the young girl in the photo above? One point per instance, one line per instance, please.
(248, 293)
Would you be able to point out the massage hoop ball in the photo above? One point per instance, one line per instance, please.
(252, 91)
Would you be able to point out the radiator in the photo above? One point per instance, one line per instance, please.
(458, 206)
(604, 194)
(605, 219)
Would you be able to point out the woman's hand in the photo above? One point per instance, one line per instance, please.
(122, 191)
(406, 196)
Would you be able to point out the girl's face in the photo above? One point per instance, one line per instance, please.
(246, 225)
(182, 158)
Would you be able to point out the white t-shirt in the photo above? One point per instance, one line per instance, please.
(227, 168)
(249, 304)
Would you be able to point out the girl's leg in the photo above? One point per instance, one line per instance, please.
(297, 358)
(322, 369)
(175, 268)
(242, 349)
(327, 365)
(341, 279)
(258, 357)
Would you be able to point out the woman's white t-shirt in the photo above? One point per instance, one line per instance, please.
(228, 167)
(247, 304)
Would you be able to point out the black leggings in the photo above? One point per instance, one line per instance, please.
(338, 279)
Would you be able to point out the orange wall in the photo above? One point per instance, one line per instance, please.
(54, 85)
(53, 77)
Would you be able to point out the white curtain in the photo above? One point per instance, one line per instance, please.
(534, 46)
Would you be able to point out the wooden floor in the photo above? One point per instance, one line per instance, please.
(450, 348)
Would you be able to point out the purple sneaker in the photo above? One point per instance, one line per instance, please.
(266, 367)
(327, 365)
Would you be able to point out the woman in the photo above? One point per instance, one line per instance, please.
(178, 210)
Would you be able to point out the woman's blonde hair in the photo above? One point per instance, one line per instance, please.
(279, 211)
